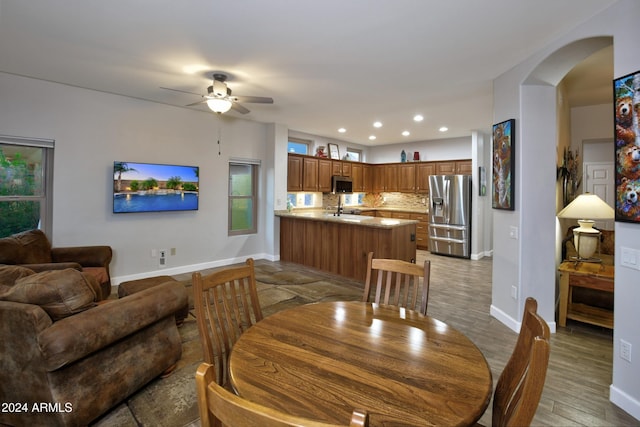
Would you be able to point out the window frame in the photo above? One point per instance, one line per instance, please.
(46, 198)
(306, 142)
(253, 197)
(355, 151)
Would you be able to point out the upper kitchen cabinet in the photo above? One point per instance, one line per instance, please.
(423, 171)
(391, 177)
(294, 173)
(309, 174)
(407, 177)
(463, 167)
(341, 168)
(325, 171)
(357, 177)
(454, 167)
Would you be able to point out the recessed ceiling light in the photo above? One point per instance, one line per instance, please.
(406, 133)
(342, 130)
(372, 137)
(443, 129)
(377, 124)
(418, 118)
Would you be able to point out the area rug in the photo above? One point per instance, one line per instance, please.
(172, 401)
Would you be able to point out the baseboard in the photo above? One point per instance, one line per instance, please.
(115, 281)
(480, 255)
(625, 402)
(503, 317)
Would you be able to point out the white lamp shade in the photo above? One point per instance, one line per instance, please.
(587, 206)
(219, 105)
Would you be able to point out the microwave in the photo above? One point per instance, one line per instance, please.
(341, 184)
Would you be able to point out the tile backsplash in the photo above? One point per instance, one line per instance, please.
(390, 200)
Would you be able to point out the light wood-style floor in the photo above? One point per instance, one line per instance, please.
(576, 391)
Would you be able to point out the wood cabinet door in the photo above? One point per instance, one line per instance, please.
(357, 177)
(378, 178)
(337, 167)
(407, 178)
(445, 168)
(391, 177)
(463, 167)
(423, 171)
(294, 173)
(310, 174)
(367, 178)
(346, 169)
(324, 175)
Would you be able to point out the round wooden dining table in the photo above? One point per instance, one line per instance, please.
(324, 360)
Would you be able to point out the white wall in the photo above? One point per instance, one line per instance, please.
(92, 129)
(436, 149)
(525, 93)
(317, 141)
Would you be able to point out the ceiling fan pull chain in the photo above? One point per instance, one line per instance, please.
(219, 142)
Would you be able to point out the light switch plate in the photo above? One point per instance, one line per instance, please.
(630, 258)
(513, 232)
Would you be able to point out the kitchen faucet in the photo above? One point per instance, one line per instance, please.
(339, 210)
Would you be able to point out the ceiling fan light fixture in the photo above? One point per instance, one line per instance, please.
(219, 105)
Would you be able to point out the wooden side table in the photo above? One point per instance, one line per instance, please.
(584, 275)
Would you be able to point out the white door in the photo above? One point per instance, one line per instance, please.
(598, 178)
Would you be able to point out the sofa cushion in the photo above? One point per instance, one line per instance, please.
(60, 293)
(28, 247)
(10, 273)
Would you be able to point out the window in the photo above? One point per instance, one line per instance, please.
(353, 155)
(298, 146)
(243, 200)
(26, 183)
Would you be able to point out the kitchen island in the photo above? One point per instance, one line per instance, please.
(340, 244)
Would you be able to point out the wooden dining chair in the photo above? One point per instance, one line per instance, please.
(220, 407)
(410, 283)
(520, 385)
(226, 304)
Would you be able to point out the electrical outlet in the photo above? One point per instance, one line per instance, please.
(625, 350)
(172, 251)
(154, 253)
(163, 253)
(513, 232)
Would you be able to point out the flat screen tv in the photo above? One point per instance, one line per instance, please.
(152, 187)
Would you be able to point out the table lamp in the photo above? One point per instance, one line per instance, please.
(586, 239)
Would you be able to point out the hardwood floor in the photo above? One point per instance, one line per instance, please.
(576, 390)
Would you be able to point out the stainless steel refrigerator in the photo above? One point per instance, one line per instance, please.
(450, 215)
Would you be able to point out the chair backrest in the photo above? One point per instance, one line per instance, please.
(220, 407)
(226, 304)
(520, 385)
(404, 277)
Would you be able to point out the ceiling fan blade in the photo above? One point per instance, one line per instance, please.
(253, 99)
(178, 90)
(195, 103)
(239, 108)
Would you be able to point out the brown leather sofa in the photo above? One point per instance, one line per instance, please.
(66, 359)
(33, 250)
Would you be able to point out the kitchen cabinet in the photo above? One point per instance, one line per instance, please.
(422, 230)
(378, 178)
(463, 167)
(324, 175)
(446, 168)
(310, 174)
(407, 177)
(357, 177)
(342, 248)
(341, 168)
(367, 178)
(294, 173)
(391, 177)
(423, 171)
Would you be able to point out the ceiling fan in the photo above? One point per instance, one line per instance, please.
(219, 98)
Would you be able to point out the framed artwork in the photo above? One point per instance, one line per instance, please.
(626, 95)
(334, 153)
(503, 153)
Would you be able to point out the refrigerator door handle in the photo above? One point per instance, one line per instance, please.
(447, 201)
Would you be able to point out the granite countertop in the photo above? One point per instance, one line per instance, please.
(346, 218)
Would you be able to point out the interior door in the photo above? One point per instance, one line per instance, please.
(599, 179)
